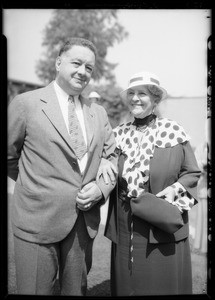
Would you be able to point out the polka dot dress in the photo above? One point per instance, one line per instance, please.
(138, 144)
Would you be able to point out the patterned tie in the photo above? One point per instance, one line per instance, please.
(75, 130)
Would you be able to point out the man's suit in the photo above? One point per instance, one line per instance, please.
(42, 162)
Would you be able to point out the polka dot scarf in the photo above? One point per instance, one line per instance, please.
(138, 141)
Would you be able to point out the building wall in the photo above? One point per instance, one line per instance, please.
(191, 113)
(16, 87)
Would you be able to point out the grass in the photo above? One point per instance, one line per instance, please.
(99, 276)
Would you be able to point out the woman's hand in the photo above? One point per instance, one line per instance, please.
(168, 194)
(107, 170)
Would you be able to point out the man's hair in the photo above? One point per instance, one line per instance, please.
(75, 41)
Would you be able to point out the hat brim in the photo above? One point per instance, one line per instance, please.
(123, 94)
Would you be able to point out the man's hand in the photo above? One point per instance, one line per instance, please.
(107, 170)
(168, 194)
(89, 195)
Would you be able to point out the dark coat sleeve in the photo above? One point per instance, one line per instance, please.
(111, 223)
(190, 172)
(157, 211)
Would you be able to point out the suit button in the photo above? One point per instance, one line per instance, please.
(74, 163)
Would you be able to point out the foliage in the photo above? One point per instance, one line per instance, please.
(101, 26)
(110, 100)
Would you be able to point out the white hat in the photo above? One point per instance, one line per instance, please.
(94, 95)
(144, 78)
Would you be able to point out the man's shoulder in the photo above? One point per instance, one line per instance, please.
(30, 94)
(95, 107)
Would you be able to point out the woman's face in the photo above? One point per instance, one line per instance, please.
(140, 102)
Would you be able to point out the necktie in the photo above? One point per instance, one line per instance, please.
(75, 130)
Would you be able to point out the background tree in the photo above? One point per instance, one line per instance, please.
(110, 100)
(101, 26)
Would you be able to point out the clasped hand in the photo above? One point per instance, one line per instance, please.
(108, 171)
(88, 196)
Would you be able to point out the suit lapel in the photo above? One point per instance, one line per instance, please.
(88, 119)
(52, 110)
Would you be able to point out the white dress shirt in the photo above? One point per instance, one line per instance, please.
(63, 102)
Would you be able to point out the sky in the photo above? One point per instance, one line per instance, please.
(170, 43)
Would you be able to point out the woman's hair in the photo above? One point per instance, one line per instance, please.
(155, 92)
(75, 41)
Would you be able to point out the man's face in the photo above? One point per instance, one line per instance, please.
(74, 69)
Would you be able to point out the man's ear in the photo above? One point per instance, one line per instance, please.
(57, 63)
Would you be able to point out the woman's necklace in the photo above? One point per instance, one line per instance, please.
(141, 128)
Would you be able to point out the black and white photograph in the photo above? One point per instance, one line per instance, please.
(108, 151)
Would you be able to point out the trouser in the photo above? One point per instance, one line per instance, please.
(37, 265)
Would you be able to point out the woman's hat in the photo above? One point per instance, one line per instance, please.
(144, 78)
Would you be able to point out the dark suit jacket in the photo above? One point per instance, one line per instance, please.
(167, 166)
(42, 162)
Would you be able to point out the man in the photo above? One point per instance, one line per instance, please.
(56, 202)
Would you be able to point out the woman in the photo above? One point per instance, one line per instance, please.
(147, 220)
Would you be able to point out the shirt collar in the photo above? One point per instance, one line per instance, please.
(62, 93)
